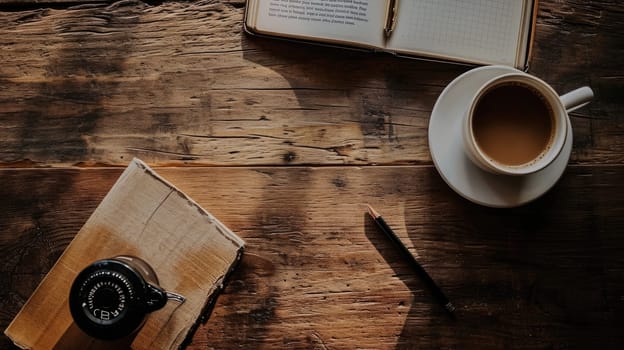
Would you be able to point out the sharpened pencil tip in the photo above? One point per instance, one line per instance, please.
(372, 212)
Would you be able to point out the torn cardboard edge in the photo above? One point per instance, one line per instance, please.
(206, 235)
(210, 303)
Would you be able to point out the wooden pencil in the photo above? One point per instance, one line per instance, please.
(437, 292)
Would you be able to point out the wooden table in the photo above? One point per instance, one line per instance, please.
(285, 143)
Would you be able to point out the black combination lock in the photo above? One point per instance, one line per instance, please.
(111, 298)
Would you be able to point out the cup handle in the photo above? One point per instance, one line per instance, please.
(578, 98)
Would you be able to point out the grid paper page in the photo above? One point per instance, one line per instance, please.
(481, 30)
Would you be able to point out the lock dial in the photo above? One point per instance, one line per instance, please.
(107, 294)
(110, 299)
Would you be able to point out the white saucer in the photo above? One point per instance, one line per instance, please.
(472, 183)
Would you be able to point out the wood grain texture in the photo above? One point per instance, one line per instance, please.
(576, 44)
(259, 132)
(179, 83)
(317, 273)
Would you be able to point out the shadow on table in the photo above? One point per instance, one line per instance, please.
(425, 318)
(538, 276)
(388, 98)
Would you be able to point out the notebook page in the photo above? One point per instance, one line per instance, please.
(485, 31)
(337, 21)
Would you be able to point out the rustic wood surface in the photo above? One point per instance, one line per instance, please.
(285, 143)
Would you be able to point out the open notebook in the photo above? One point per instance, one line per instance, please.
(472, 31)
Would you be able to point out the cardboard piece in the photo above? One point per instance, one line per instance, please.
(143, 215)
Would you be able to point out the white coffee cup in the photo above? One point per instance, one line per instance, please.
(515, 96)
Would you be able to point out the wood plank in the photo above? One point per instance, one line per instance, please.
(317, 273)
(575, 45)
(179, 83)
(73, 3)
(30, 4)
